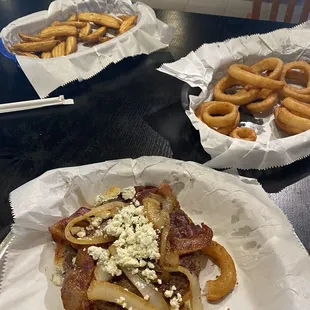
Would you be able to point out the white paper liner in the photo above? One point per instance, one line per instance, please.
(45, 75)
(34, 104)
(204, 67)
(273, 268)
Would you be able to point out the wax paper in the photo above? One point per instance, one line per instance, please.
(45, 75)
(209, 63)
(273, 268)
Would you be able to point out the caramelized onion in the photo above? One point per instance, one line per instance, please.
(153, 212)
(106, 209)
(195, 296)
(163, 244)
(112, 293)
(147, 289)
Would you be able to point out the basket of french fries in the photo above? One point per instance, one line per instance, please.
(76, 40)
(254, 108)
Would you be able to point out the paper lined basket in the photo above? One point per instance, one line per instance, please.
(204, 67)
(45, 75)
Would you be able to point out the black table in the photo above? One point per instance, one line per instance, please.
(128, 110)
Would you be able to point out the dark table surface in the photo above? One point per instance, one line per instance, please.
(128, 110)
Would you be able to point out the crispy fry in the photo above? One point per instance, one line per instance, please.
(104, 39)
(59, 31)
(71, 45)
(100, 19)
(26, 54)
(46, 55)
(225, 283)
(42, 46)
(94, 37)
(85, 31)
(73, 17)
(55, 23)
(76, 24)
(123, 17)
(127, 24)
(59, 50)
(31, 38)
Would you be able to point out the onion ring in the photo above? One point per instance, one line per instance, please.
(301, 65)
(296, 123)
(229, 129)
(240, 98)
(287, 92)
(264, 105)
(247, 76)
(273, 65)
(225, 283)
(243, 133)
(227, 110)
(296, 107)
(198, 111)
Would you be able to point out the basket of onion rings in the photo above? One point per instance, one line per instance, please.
(253, 111)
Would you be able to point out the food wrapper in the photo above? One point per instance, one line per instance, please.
(46, 75)
(204, 67)
(273, 267)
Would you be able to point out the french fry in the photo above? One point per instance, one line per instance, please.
(85, 31)
(59, 31)
(31, 38)
(71, 23)
(73, 17)
(59, 50)
(26, 54)
(46, 55)
(104, 39)
(71, 45)
(94, 37)
(55, 23)
(123, 17)
(127, 24)
(100, 19)
(35, 47)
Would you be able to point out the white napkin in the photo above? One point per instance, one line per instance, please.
(273, 268)
(45, 75)
(204, 67)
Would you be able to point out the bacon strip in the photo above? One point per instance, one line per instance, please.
(186, 237)
(76, 283)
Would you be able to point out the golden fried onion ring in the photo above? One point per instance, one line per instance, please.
(225, 283)
(289, 122)
(247, 76)
(227, 111)
(275, 65)
(243, 133)
(203, 110)
(305, 69)
(227, 130)
(240, 98)
(266, 104)
(296, 107)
